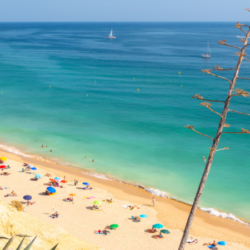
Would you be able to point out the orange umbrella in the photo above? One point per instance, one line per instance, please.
(63, 181)
(52, 180)
(72, 196)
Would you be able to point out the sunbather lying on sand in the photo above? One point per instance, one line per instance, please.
(153, 230)
(105, 232)
(11, 194)
(68, 199)
(108, 227)
(192, 240)
(160, 236)
(2, 188)
(133, 207)
(109, 201)
(136, 218)
(34, 179)
(5, 173)
(29, 203)
(48, 174)
(25, 164)
(95, 207)
(55, 215)
(46, 192)
(213, 244)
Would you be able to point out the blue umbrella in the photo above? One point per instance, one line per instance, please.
(57, 178)
(222, 243)
(143, 216)
(33, 168)
(51, 190)
(27, 197)
(157, 226)
(85, 183)
(38, 175)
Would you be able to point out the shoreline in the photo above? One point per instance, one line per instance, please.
(171, 213)
(151, 190)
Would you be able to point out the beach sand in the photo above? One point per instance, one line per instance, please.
(80, 221)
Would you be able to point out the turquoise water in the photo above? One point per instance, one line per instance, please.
(93, 107)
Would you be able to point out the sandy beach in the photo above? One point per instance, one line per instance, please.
(80, 221)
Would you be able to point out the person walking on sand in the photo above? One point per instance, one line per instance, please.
(153, 201)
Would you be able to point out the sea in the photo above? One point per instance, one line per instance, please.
(124, 103)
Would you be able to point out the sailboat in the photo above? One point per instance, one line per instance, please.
(208, 54)
(111, 35)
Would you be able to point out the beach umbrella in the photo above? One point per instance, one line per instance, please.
(164, 231)
(114, 226)
(38, 175)
(222, 243)
(57, 178)
(33, 168)
(72, 195)
(3, 158)
(51, 190)
(63, 181)
(2, 166)
(27, 197)
(52, 180)
(97, 202)
(157, 226)
(85, 183)
(143, 216)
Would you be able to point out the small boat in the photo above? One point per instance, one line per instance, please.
(208, 54)
(111, 35)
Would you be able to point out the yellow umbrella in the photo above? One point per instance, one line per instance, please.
(3, 158)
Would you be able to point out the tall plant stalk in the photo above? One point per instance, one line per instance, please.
(222, 124)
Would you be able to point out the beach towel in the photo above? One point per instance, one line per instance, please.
(222, 243)
(212, 247)
(89, 197)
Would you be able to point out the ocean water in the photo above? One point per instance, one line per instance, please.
(123, 103)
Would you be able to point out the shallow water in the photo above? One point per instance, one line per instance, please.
(123, 103)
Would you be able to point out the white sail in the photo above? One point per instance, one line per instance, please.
(111, 35)
(208, 54)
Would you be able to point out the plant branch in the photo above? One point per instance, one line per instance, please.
(246, 59)
(238, 112)
(217, 67)
(192, 128)
(243, 131)
(208, 105)
(208, 71)
(198, 97)
(243, 77)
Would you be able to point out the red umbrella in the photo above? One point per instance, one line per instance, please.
(63, 181)
(2, 166)
(52, 180)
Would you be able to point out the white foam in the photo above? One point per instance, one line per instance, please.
(224, 215)
(100, 176)
(15, 151)
(157, 192)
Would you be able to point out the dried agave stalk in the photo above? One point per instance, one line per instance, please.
(222, 123)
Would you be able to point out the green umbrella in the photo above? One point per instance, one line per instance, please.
(164, 231)
(97, 202)
(114, 226)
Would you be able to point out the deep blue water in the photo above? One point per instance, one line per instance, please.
(123, 103)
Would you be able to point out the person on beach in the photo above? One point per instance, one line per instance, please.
(153, 201)
(212, 244)
(93, 160)
(51, 150)
(76, 182)
(42, 146)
